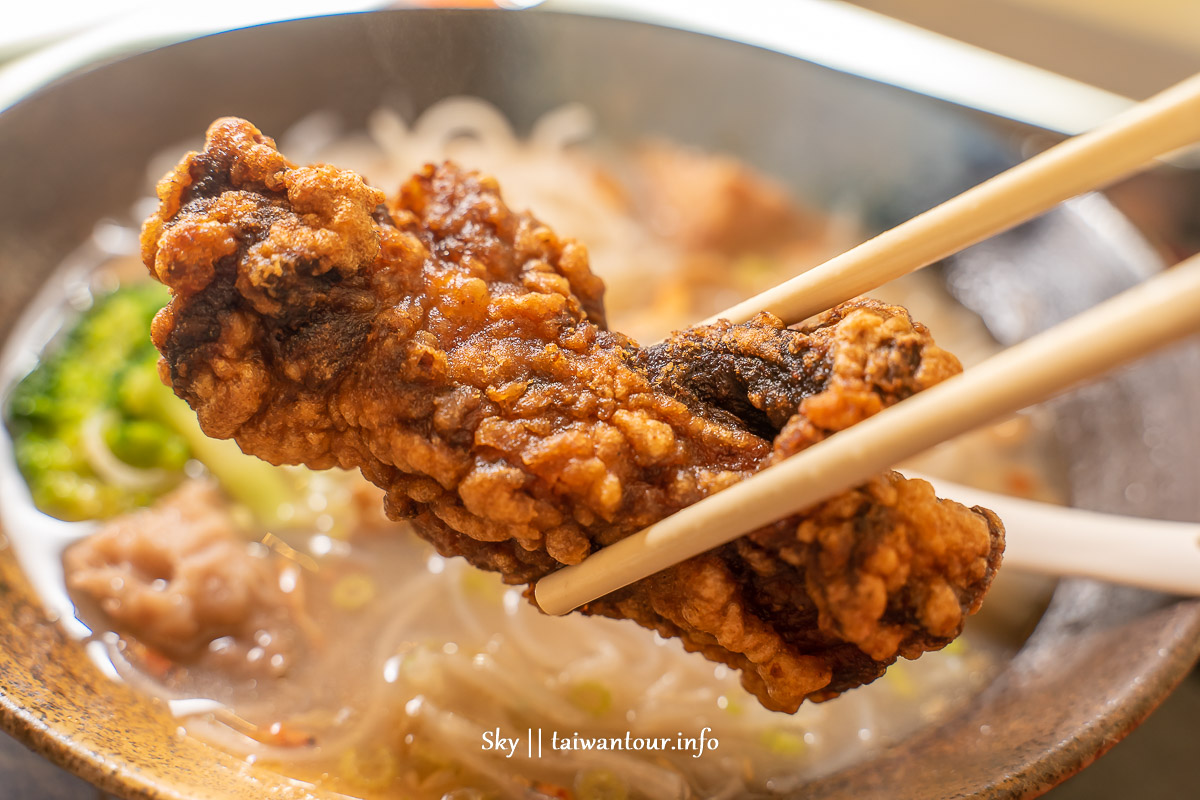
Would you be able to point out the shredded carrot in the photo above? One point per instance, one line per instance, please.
(1020, 483)
(277, 734)
(154, 663)
(285, 736)
(552, 790)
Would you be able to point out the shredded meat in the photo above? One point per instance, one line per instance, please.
(456, 352)
(178, 578)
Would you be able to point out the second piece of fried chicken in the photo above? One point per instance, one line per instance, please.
(456, 352)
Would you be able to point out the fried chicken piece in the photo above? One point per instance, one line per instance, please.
(456, 352)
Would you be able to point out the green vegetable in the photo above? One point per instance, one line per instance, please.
(783, 742)
(96, 433)
(353, 591)
(372, 767)
(590, 696)
(146, 444)
(52, 407)
(266, 490)
(900, 679)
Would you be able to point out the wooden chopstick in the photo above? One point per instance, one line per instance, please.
(1132, 140)
(1154, 313)
(1056, 540)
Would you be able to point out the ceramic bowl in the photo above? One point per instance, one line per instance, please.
(1101, 658)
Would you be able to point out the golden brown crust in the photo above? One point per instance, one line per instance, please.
(455, 352)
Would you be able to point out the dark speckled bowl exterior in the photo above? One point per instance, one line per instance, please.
(1101, 659)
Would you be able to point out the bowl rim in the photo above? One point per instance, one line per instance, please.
(32, 728)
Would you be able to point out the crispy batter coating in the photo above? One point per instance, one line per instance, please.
(456, 352)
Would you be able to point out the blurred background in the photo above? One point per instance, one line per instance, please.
(1039, 69)
(1132, 49)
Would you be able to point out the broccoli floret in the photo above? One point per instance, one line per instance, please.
(55, 408)
(96, 433)
(262, 488)
(146, 444)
